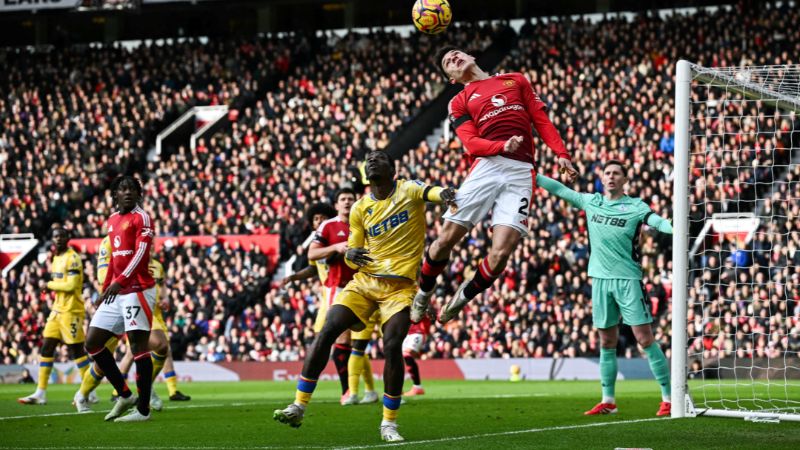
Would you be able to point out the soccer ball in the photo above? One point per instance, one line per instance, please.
(431, 16)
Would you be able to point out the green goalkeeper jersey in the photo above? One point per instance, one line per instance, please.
(614, 228)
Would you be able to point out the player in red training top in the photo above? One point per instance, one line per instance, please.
(127, 301)
(330, 245)
(492, 116)
(412, 348)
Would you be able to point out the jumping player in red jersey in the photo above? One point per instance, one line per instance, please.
(412, 348)
(493, 117)
(330, 245)
(127, 301)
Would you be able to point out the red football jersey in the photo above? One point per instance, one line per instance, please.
(423, 327)
(131, 237)
(486, 113)
(334, 231)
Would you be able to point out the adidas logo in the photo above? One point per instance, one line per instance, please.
(473, 97)
(133, 323)
(341, 233)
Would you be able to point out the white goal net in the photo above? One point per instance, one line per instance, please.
(736, 252)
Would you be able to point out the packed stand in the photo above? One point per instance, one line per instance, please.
(72, 119)
(300, 140)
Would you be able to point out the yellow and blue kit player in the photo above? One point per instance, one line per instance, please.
(66, 319)
(387, 237)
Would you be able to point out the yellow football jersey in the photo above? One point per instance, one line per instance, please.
(103, 258)
(67, 280)
(393, 230)
(322, 270)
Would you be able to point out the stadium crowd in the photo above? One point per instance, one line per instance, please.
(609, 90)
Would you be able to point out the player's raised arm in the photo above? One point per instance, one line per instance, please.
(659, 223)
(72, 279)
(432, 194)
(552, 186)
(537, 111)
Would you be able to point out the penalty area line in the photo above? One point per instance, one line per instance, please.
(503, 433)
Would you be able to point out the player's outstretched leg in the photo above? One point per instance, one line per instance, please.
(431, 269)
(341, 358)
(92, 379)
(608, 372)
(171, 380)
(139, 340)
(504, 242)
(394, 331)
(658, 365)
(370, 396)
(48, 352)
(355, 367)
(105, 361)
(413, 371)
(159, 350)
(339, 319)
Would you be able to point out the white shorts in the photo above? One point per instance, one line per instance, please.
(413, 344)
(126, 312)
(497, 184)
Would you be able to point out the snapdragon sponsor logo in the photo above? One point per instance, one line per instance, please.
(497, 111)
(122, 253)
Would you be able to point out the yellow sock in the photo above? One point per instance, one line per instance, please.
(158, 363)
(83, 365)
(91, 380)
(355, 366)
(391, 403)
(172, 382)
(45, 367)
(369, 379)
(305, 388)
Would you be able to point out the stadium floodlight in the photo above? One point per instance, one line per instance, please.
(735, 315)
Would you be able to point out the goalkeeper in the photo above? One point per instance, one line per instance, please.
(615, 221)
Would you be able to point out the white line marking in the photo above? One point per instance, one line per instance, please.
(267, 402)
(502, 433)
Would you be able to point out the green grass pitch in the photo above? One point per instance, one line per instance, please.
(453, 414)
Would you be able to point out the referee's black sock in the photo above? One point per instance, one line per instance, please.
(483, 279)
(144, 381)
(105, 361)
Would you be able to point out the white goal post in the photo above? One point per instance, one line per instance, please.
(736, 244)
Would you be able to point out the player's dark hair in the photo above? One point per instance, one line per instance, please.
(440, 54)
(344, 190)
(60, 228)
(320, 208)
(616, 162)
(115, 185)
